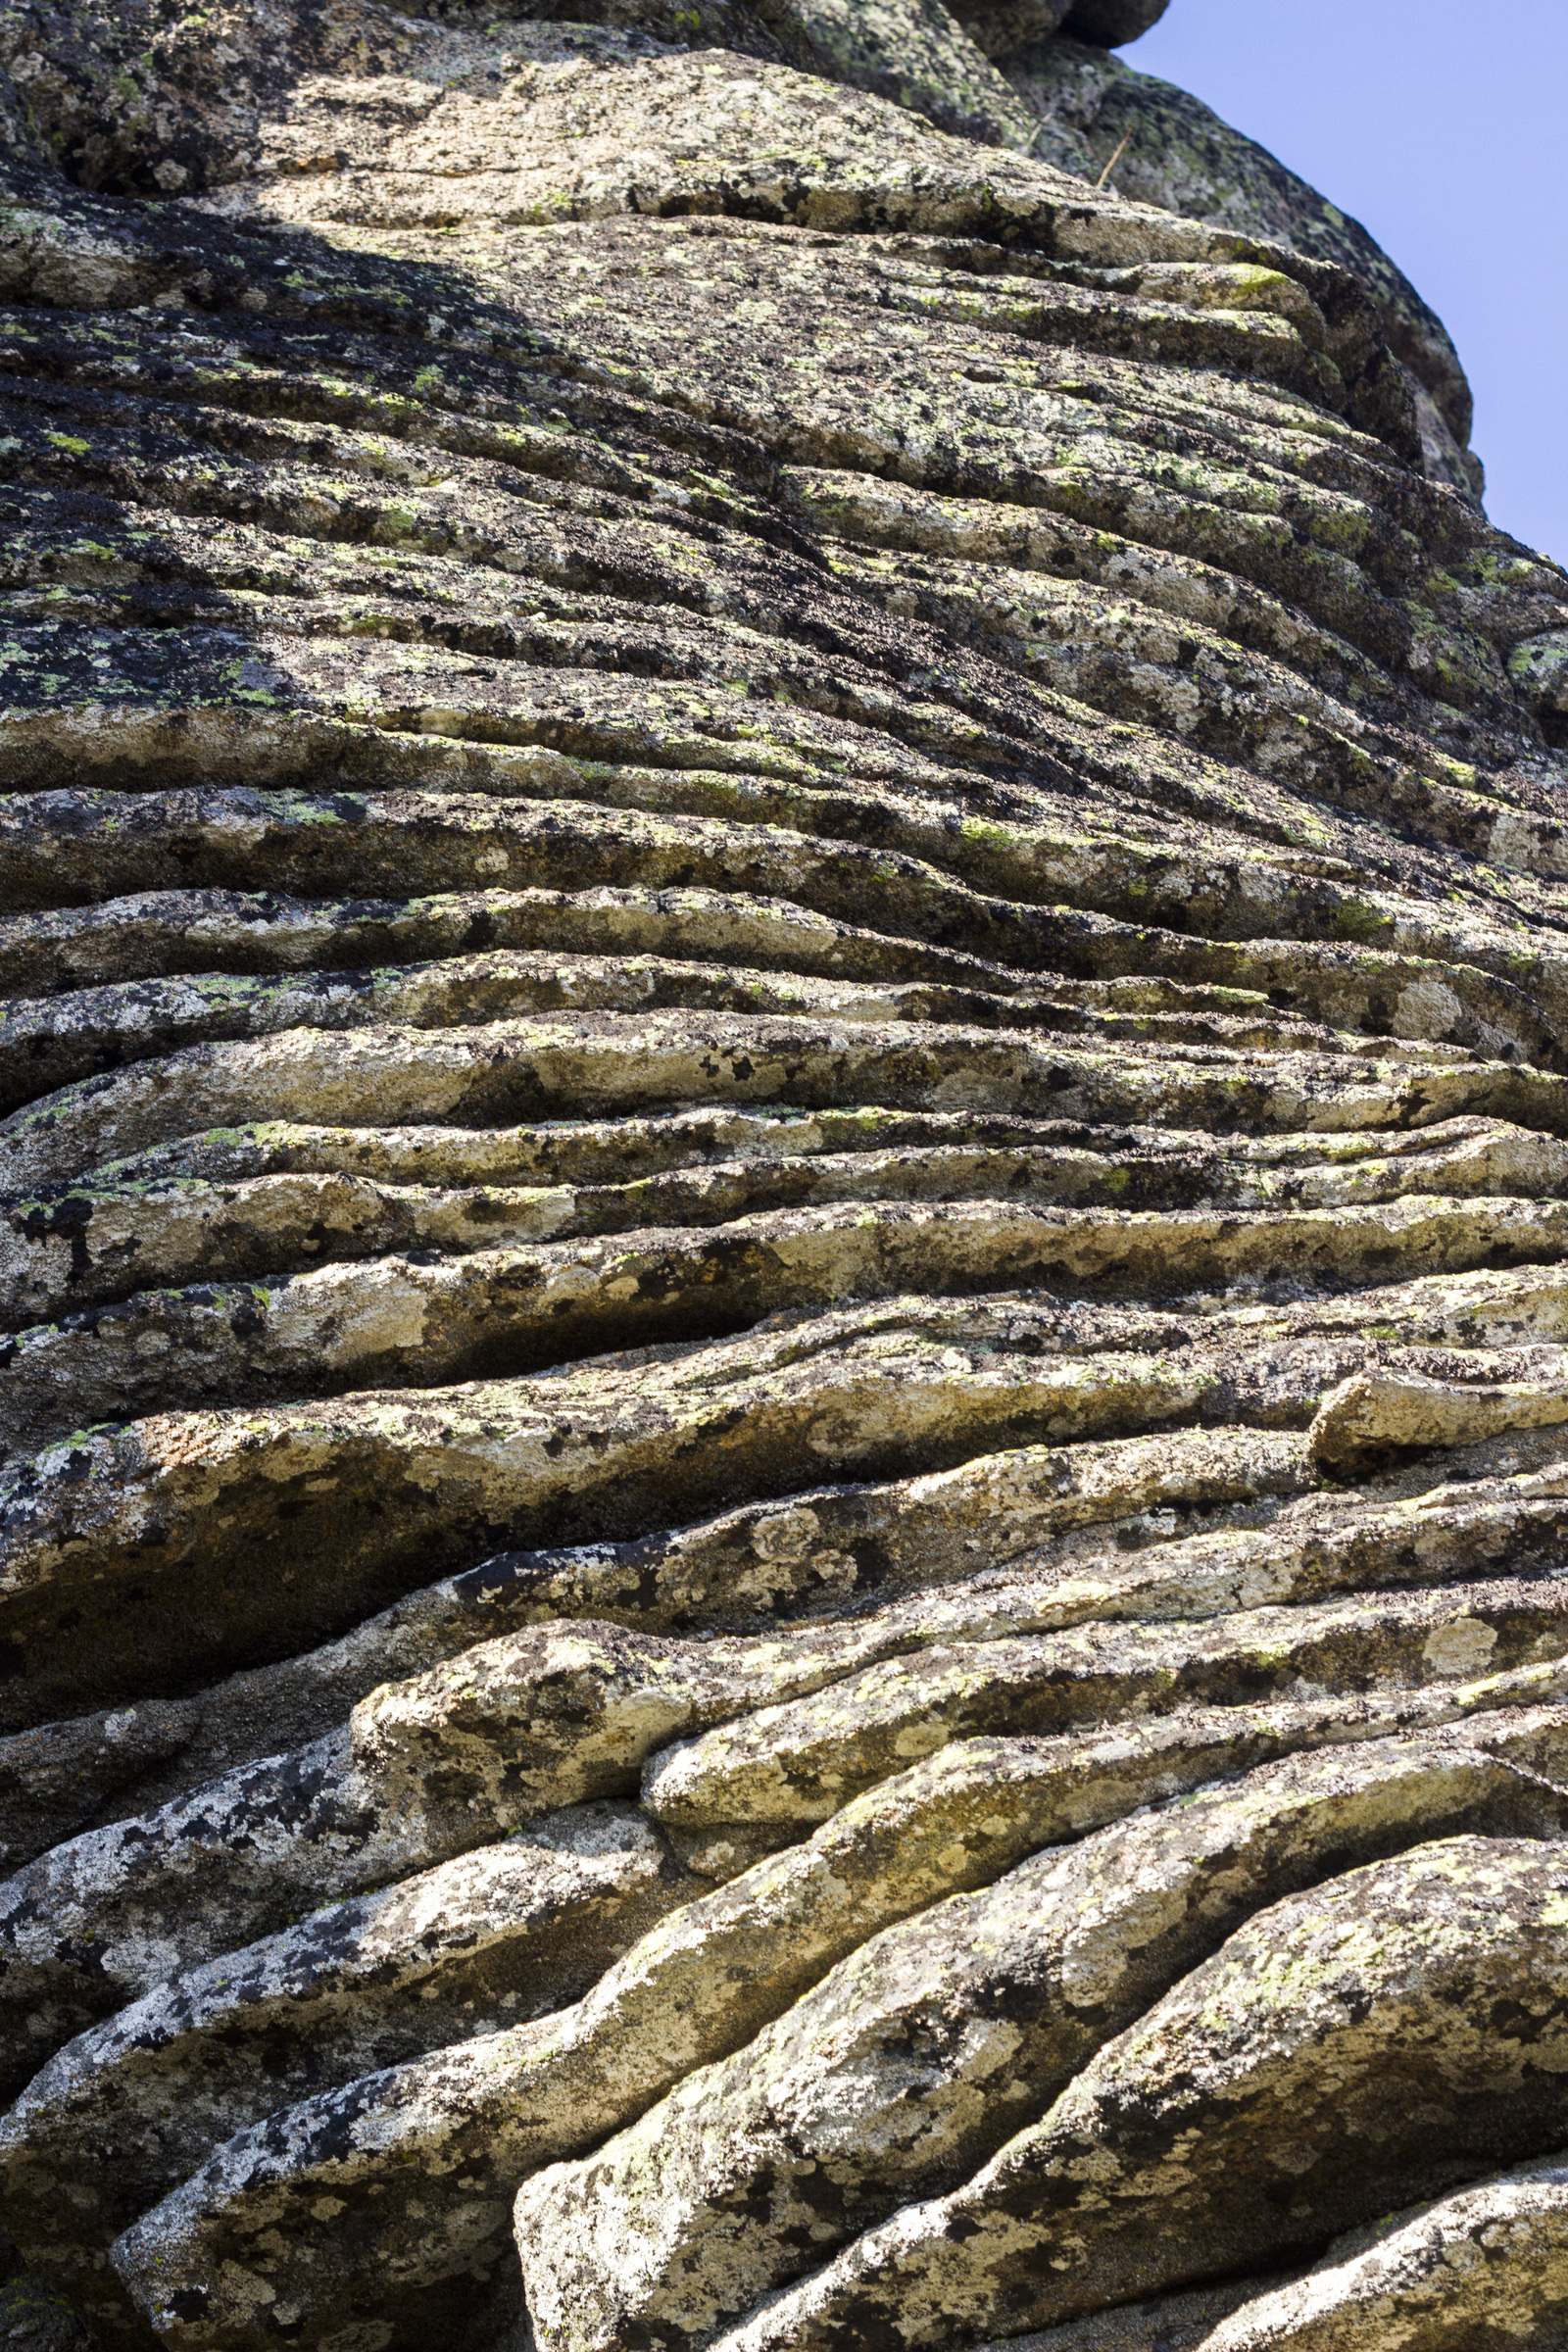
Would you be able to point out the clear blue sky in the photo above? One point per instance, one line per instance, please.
(1442, 125)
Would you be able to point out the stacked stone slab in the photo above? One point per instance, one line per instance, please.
(786, 1232)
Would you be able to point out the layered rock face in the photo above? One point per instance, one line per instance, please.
(786, 1228)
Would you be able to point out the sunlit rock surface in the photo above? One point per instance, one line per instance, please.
(784, 1121)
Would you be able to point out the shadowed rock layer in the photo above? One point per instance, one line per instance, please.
(784, 1261)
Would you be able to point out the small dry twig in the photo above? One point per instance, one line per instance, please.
(1114, 160)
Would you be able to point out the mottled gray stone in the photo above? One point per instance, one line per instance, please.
(1346, 2051)
(915, 2059)
(784, 1245)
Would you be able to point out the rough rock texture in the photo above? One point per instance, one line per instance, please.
(784, 1259)
(1163, 146)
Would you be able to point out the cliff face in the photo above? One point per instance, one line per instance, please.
(787, 1216)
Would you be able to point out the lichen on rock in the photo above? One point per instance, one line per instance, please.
(784, 1244)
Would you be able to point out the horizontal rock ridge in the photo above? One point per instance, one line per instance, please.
(784, 1259)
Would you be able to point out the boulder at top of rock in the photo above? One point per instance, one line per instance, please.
(1001, 26)
(1111, 24)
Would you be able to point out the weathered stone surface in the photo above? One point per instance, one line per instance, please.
(915, 2059)
(1178, 153)
(55, 1778)
(798, 1759)
(1371, 1413)
(1485, 2268)
(783, 1295)
(401, 2145)
(509, 1310)
(1540, 665)
(276, 1197)
(1175, 2324)
(129, 2108)
(1346, 2049)
(1482, 2270)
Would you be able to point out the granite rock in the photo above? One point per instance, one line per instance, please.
(783, 1209)
(1167, 147)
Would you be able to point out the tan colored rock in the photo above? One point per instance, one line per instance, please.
(447, 1954)
(1486, 2261)
(1178, 153)
(782, 1251)
(919, 2056)
(1317, 2084)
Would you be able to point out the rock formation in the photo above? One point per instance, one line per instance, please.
(786, 1229)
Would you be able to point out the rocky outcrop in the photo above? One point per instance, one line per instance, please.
(784, 1132)
(1275, 2057)
(1095, 114)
